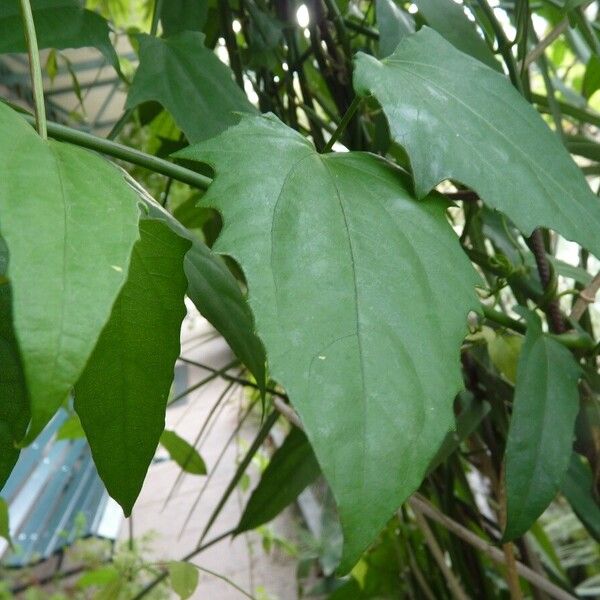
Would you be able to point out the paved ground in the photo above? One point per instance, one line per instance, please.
(242, 560)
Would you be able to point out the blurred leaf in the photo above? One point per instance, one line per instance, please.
(504, 349)
(477, 143)
(4, 523)
(184, 578)
(292, 468)
(183, 15)
(591, 79)
(393, 24)
(185, 455)
(71, 429)
(328, 308)
(59, 24)
(54, 182)
(98, 577)
(121, 396)
(540, 437)
(450, 21)
(578, 488)
(181, 72)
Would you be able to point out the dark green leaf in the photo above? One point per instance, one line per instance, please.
(183, 15)
(58, 24)
(450, 21)
(503, 150)
(182, 453)
(217, 295)
(69, 221)
(190, 81)
(121, 397)
(578, 488)
(184, 578)
(14, 405)
(393, 24)
(4, 523)
(291, 469)
(540, 437)
(591, 79)
(373, 388)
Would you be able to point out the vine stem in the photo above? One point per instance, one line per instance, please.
(343, 123)
(35, 69)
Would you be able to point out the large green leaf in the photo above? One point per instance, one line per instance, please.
(69, 221)
(58, 24)
(215, 293)
(459, 119)
(121, 396)
(449, 19)
(14, 404)
(540, 437)
(374, 388)
(393, 24)
(183, 15)
(190, 81)
(291, 469)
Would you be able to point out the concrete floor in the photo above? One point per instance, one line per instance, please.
(242, 560)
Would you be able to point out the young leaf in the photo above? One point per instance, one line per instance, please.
(121, 396)
(182, 453)
(184, 578)
(183, 15)
(450, 21)
(540, 437)
(181, 72)
(4, 522)
(374, 388)
(393, 24)
(69, 221)
(14, 404)
(59, 24)
(71, 429)
(291, 469)
(502, 149)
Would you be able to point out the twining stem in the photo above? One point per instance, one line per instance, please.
(343, 124)
(35, 69)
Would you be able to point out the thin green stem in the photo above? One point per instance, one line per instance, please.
(35, 69)
(343, 124)
(156, 16)
(125, 153)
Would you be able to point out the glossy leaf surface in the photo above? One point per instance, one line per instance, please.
(121, 397)
(290, 470)
(69, 221)
(185, 455)
(367, 381)
(502, 149)
(190, 81)
(540, 437)
(59, 24)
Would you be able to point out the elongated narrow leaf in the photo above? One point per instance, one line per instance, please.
(578, 488)
(190, 81)
(451, 22)
(58, 24)
(291, 469)
(374, 388)
(121, 397)
(215, 293)
(459, 119)
(69, 221)
(185, 455)
(393, 24)
(14, 404)
(540, 438)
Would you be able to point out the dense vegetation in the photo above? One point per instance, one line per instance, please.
(378, 206)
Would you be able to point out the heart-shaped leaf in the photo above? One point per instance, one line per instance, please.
(352, 328)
